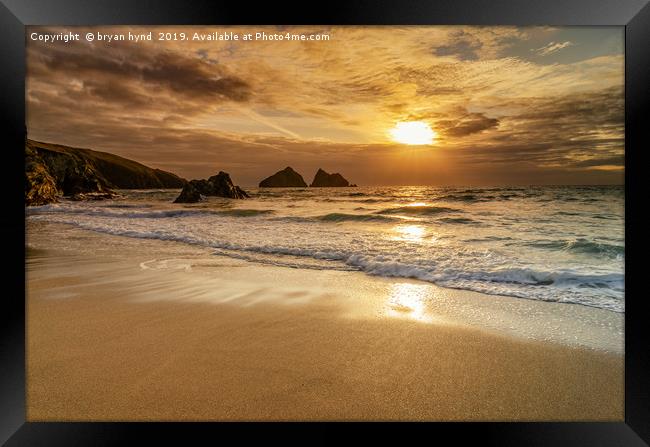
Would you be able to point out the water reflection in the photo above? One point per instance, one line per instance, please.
(408, 301)
(412, 233)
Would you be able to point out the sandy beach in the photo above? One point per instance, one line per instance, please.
(349, 223)
(124, 329)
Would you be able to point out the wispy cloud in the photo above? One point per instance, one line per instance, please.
(552, 47)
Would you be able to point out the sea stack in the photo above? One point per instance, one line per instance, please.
(324, 180)
(218, 185)
(287, 178)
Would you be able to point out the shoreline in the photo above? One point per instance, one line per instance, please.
(132, 329)
(599, 329)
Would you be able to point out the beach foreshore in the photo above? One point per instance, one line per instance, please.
(127, 329)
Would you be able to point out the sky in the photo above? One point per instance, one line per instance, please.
(507, 105)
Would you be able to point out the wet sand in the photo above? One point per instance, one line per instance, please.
(123, 329)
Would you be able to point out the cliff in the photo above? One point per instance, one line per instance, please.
(53, 170)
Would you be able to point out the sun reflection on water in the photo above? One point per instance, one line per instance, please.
(411, 233)
(408, 301)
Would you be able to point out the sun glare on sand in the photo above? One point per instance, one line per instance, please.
(413, 132)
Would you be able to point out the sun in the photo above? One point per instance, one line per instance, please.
(413, 132)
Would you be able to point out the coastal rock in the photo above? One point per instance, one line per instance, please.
(40, 187)
(218, 185)
(189, 194)
(53, 170)
(284, 179)
(324, 180)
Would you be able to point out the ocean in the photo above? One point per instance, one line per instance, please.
(559, 243)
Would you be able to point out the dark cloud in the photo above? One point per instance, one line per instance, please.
(590, 110)
(467, 124)
(564, 130)
(114, 91)
(595, 162)
(192, 77)
(183, 75)
(463, 45)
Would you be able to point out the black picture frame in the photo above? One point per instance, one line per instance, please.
(16, 14)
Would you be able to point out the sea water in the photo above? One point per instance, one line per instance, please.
(562, 243)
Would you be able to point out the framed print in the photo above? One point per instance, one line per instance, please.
(367, 212)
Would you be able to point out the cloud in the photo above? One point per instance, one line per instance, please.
(463, 45)
(581, 130)
(552, 47)
(192, 108)
(618, 161)
(181, 74)
(467, 124)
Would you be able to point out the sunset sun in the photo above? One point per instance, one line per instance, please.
(413, 132)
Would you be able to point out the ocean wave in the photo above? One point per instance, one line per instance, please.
(335, 217)
(241, 212)
(418, 210)
(508, 196)
(598, 248)
(517, 282)
(125, 212)
(152, 191)
(114, 213)
(342, 217)
(488, 239)
(458, 220)
(126, 206)
(581, 246)
(567, 213)
(528, 276)
(468, 198)
(476, 190)
(605, 216)
(375, 200)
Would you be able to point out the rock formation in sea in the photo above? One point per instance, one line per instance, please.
(323, 179)
(53, 170)
(284, 179)
(189, 194)
(218, 185)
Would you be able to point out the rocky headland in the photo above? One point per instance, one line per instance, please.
(53, 171)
